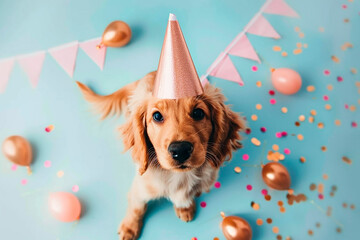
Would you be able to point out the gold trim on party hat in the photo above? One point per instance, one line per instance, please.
(176, 75)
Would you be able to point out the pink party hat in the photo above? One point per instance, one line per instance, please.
(176, 75)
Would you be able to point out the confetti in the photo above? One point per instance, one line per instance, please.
(278, 135)
(301, 35)
(311, 119)
(269, 220)
(353, 70)
(327, 106)
(245, 157)
(337, 122)
(13, 167)
(346, 45)
(24, 181)
(254, 117)
(297, 51)
(47, 164)
(284, 109)
(272, 101)
(326, 98)
(272, 92)
(323, 148)
(254, 68)
(75, 188)
(298, 45)
(217, 185)
(203, 204)
(339, 79)
(258, 83)
(301, 118)
(263, 129)
(255, 141)
(249, 187)
(267, 197)
(313, 112)
(49, 128)
(297, 29)
(335, 59)
(275, 230)
(330, 87)
(320, 125)
(321, 29)
(326, 72)
(259, 221)
(277, 48)
(60, 174)
(310, 88)
(287, 151)
(300, 137)
(255, 206)
(353, 124)
(258, 106)
(305, 45)
(248, 131)
(284, 54)
(237, 169)
(264, 192)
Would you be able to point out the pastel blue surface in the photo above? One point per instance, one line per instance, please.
(89, 151)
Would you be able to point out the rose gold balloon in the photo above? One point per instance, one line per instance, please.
(116, 34)
(65, 206)
(286, 80)
(276, 176)
(18, 150)
(236, 228)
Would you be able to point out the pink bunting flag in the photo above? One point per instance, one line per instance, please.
(6, 66)
(65, 56)
(243, 48)
(263, 28)
(204, 81)
(95, 53)
(32, 65)
(280, 7)
(225, 69)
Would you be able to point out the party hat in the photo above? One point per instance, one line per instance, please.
(176, 75)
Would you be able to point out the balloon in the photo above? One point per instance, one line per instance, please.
(116, 34)
(236, 228)
(18, 150)
(65, 206)
(286, 80)
(276, 176)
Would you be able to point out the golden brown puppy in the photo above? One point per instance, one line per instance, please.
(177, 144)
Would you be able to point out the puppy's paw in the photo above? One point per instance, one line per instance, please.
(186, 214)
(129, 230)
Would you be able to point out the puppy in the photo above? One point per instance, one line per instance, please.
(178, 145)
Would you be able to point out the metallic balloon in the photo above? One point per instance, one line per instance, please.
(18, 150)
(276, 176)
(116, 34)
(236, 228)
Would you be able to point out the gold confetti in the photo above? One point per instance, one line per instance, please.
(275, 147)
(297, 29)
(346, 20)
(327, 106)
(313, 112)
(311, 119)
(269, 220)
(258, 83)
(237, 169)
(323, 148)
(353, 70)
(346, 160)
(255, 141)
(275, 230)
(298, 45)
(357, 83)
(352, 108)
(284, 54)
(277, 48)
(254, 117)
(321, 125)
(259, 221)
(335, 59)
(282, 209)
(338, 229)
(321, 188)
(301, 118)
(337, 122)
(346, 45)
(301, 35)
(330, 87)
(300, 137)
(325, 176)
(284, 109)
(310, 232)
(312, 187)
(321, 29)
(310, 88)
(297, 51)
(267, 197)
(60, 174)
(258, 106)
(297, 124)
(255, 206)
(305, 45)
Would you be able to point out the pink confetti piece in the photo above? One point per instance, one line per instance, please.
(344, 6)
(248, 131)
(49, 128)
(263, 129)
(245, 157)
(287, 151)
(327, 72)
(326, 98)
(217, 185)
(272, 101)
(14, 167)
(346, 106)
(254, 68)
(75, 188)
(264, 192)
(24, 181)
(340, 79)
(284, 134)
(278, 134)
(321, 197)
(47, 164)
(353, 124)
(272, 92)
(203, 204)
(249, 187)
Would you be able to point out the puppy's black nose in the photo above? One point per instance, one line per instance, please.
(180, 151)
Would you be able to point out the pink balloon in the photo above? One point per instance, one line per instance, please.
(286, 80)
(65, 206)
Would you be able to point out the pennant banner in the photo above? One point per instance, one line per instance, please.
(243, 48)
(32, 65)
(204, 81)
(65, 56)
(95, 53)
(280, 7)
(263, 28)
(6, 66)
(225, 69)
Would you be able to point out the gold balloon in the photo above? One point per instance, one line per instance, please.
(276, 176)
(116, 34)
(18, 150)
(236, 228)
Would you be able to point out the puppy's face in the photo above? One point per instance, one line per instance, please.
(179, 130)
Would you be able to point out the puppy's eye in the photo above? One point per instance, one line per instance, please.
(158, 117)
(198, 114)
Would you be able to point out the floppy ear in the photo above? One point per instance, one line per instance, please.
(135, 137)
(225, 136)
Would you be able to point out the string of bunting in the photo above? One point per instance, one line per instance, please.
(65, 55)
(223, 67)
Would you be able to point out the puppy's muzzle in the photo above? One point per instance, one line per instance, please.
(180, 151)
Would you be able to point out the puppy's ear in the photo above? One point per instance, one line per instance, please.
(135, 137)
(225, 136)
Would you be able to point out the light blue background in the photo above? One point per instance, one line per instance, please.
(90, 151)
